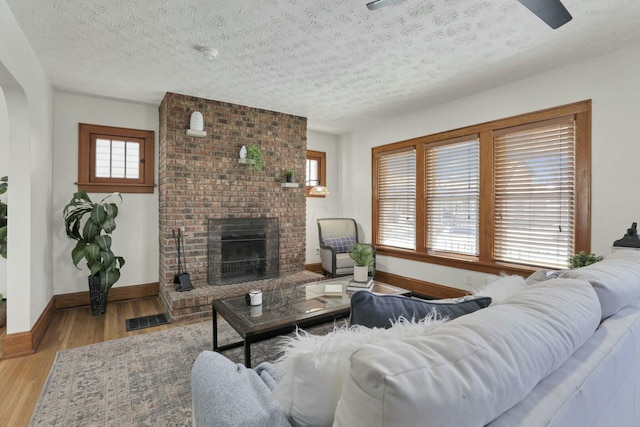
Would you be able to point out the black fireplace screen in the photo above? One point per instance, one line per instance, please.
(242, 250)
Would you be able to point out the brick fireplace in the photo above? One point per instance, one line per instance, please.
(201, 179)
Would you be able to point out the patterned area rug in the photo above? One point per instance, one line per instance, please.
(143, 380)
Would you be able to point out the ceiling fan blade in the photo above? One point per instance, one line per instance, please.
(552, 12)
(378, 4)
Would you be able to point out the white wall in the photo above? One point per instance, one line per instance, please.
(29, 102)
(136, 234)
(329, 206)
(611, 81)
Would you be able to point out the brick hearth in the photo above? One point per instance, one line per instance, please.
(200, 178)
(196, 304)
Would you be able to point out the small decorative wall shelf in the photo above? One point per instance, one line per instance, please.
(196, 133)
(290, 185)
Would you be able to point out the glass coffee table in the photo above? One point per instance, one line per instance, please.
(282, 310)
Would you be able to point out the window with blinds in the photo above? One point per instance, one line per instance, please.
(507, 196)
(534, 187)
(115, 159)
(396, 199)
(453, 196)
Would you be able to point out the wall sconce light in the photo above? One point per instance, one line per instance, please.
(196, 125)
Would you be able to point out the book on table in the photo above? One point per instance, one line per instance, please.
(355, 285)
(333, 290)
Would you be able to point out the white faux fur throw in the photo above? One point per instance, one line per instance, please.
(502, 288)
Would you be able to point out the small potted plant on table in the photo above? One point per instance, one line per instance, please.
(364, 256)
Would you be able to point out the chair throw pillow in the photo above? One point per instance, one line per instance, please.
(381, 311)
(340, 244)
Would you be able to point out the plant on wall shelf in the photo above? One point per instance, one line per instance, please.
(4, 184)
(254, 157)
(91, 225)
(288, 175)
(582, 258)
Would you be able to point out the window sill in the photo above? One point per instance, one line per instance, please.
(462, 263)
(92, 187)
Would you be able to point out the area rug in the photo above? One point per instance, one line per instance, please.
(142, 380)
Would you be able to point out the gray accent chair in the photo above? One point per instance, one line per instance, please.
(334, 262)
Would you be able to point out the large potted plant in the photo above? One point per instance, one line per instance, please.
(4, 184)
(364, 257)
(91, 225)
(3, 312)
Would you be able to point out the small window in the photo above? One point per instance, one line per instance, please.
(115, 159)
(316, 171)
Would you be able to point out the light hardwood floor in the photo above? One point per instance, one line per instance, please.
(21, 379)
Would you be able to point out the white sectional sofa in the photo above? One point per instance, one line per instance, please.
(563, 352)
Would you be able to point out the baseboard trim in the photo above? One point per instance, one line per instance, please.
(79, 299)
(419, 287)
(25, 343)
(316, 268)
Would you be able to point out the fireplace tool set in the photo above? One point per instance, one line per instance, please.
(181, 281)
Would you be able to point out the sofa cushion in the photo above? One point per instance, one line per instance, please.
(340, 244)
(616, 279)
(597, 386)
(312, 368)
(381, 311)
(473, 368)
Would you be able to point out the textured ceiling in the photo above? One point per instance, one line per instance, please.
(333, 61)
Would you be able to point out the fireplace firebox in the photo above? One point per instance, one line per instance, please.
(242, 250)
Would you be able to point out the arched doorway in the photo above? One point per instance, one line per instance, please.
(15, 146)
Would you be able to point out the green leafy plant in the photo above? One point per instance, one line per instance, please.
(288, 174)
(4, 185)
(91, 225)
(254, 155)
(362, 254)
(582, 258)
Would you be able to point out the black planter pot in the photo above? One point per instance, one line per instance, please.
(97, 298)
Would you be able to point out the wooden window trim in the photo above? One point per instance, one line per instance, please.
(321, 158)
(86, 160)
(484, 263)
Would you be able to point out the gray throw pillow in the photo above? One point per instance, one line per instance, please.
(379, 311)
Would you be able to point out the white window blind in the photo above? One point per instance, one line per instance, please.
(117, 159)
(313, 172)
(453, 196)
(534, 178)
(396, 199)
